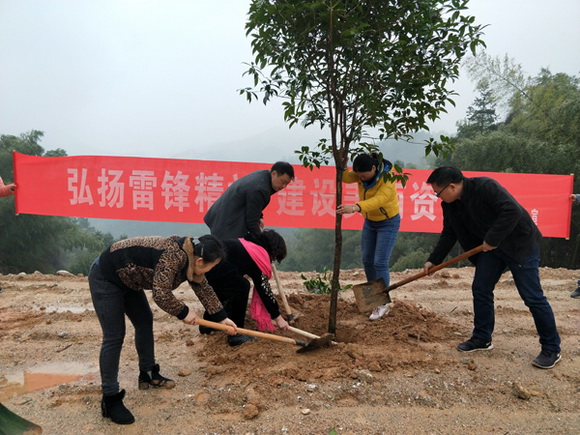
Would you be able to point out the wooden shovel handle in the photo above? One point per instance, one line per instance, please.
(304, 333)
(454, 260)
(250, 332)
(281, 291)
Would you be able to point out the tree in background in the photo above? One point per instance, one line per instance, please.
(544, 108)
(481, 115)
(351, 66)
(548, 110)
(43, 243)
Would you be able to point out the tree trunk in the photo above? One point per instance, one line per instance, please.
(335, 286)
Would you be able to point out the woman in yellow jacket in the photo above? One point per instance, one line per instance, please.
(379, 205)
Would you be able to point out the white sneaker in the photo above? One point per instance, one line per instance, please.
(379, 312)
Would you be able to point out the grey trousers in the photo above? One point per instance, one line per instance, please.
(111, 304)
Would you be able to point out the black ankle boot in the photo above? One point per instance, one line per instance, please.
(204, 330)
(113, 408)
(154, 379)
(236, 340)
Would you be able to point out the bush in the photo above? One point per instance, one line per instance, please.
(321, 284)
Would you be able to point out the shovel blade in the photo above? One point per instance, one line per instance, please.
(371, 294)
(317, 343)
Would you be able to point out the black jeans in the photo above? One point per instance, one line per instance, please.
(233, 292)
(111, 304)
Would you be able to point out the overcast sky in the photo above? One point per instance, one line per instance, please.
(159, 78)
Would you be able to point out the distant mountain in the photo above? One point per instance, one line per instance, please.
(267, 147)
(280, 143)
(118, 227)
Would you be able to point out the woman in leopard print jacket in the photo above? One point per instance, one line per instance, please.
(117, 281)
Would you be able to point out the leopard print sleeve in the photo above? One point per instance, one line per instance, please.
(166, 278)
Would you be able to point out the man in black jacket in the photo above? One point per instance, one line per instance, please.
(239, 209)
(480, 211)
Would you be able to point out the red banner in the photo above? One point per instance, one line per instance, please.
(172, 190)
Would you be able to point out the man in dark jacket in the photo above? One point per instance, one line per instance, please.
(479, 211)
(239, 209)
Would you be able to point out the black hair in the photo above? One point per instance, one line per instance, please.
(365, 162)
(445, 175)
(283, 168)
(209, 248)
(272, 242)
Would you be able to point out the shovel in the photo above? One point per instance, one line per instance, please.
(316, 342)
(371, 294)
(291, 318)
(252, 333)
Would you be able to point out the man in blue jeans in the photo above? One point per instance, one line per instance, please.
(479, 211)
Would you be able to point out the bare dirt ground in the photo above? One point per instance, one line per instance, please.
(398, 375)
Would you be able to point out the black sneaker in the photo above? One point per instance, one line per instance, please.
(474, 344)
(547, 359)
(575, 294)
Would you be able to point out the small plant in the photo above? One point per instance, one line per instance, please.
(321, 284)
